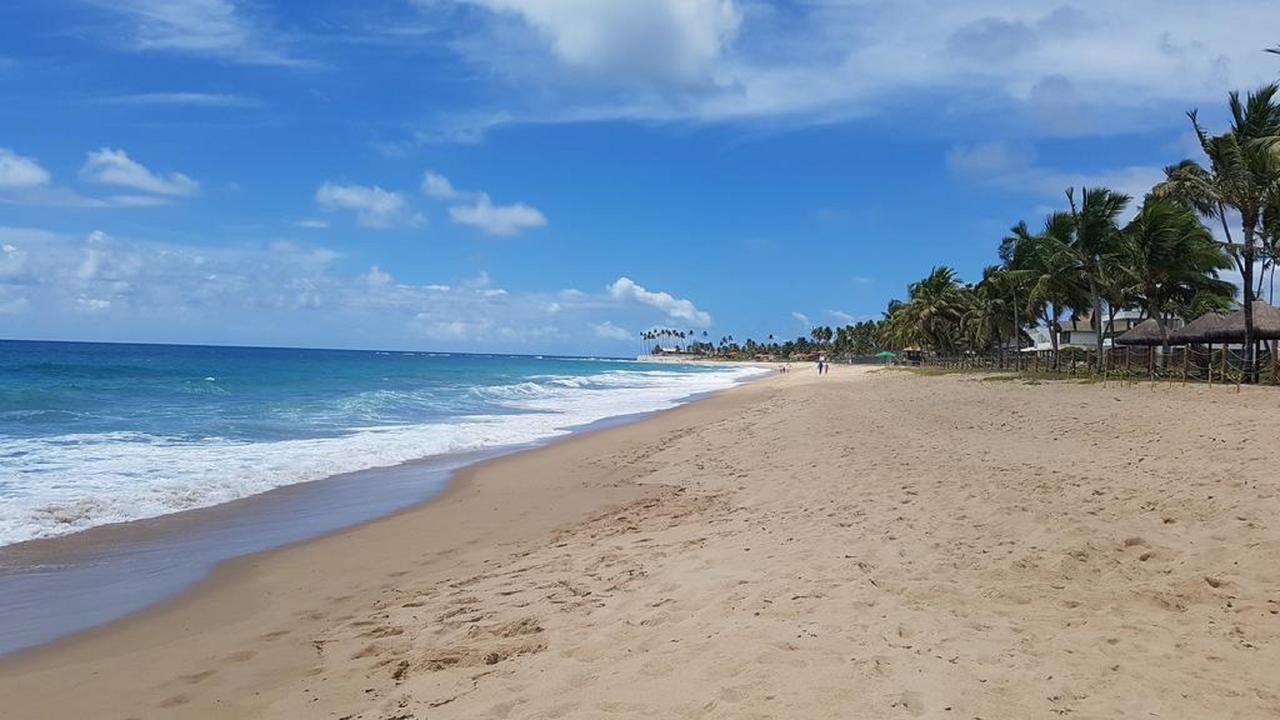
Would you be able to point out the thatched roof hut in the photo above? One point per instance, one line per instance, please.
(1266, 325)
(1146, 332)
(1197, 331)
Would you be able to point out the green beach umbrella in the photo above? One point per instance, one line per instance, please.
(886, 354)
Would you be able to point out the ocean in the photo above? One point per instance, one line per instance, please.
(93, 434)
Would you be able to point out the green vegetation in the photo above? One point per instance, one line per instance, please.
(1164, 262)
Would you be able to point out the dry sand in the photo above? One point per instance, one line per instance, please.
(865, 545)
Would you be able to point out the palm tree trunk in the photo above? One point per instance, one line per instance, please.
(1096, 297)
(1246, 273)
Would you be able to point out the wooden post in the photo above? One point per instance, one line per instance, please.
(1185, 351)
(1225, 351)
(1272, 350)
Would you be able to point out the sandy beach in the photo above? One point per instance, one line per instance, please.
(869, 544)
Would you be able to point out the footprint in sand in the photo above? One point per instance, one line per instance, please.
(174, 701)
(196, 678)
(242, 656)
(910, 701)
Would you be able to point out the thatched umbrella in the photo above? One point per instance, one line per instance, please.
(1146, 332)
(1197, 331)
(1266, 325)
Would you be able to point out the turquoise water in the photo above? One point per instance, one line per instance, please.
(92, 434)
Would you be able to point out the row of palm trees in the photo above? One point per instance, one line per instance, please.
(1083, 260)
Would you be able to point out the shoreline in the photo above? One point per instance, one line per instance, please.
(63, 567)
(863, 544)
(231, 592)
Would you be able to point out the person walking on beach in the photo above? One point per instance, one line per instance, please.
(821, 361)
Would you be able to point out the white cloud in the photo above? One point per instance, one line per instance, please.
(114, 167)
(438, 186)
(624, 288)
(102, 287)
(1012, 166)
(497, 219)
(608, 331)
(639, 41)
(23, 181)
(312, 223)
(802, 319)
(99, 287)
(1044, 66)
(188, 99)
(374, 207)
(478, 210)
(212, 28)
(842, 317)
(17, 171)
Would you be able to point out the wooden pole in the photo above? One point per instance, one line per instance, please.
(1208, 365)
(1272, 350)
(1185, 351)
(1244, 362)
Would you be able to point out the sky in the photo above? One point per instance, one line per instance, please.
(555, 176)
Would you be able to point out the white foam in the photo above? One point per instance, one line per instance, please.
(64, 484)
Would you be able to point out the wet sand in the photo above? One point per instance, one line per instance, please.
(867, 544)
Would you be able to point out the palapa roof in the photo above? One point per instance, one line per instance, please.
(1146, 332)
(1266, 325)
(1198, 330)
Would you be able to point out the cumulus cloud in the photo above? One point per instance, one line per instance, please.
(18, 171)
(608, 331)
(738, 60)
(101, 287)
(23, 181)
(438, 186)
(626, 289)
(110, 166)
(497, 219)
(636, 42)
(373, 206)
(478, 209)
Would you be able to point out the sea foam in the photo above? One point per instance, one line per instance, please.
(58, 484)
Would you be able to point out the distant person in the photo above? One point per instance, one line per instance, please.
(820, 364)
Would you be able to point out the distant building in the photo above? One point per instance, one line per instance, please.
(1081, 332)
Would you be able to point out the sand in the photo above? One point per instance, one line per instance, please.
(864, 545)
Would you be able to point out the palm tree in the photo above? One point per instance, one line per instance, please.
(930, 316)
(1243, 177)
(1168, 257)
(986, 320)
(1049, 268)
(1095, 233)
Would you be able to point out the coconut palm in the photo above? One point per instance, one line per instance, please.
(986, 319)
(1243, 178)
(1095, 235)
(1049, 269)
(1168, 257)
(931, 315)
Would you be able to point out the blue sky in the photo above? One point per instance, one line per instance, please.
(557, 175)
